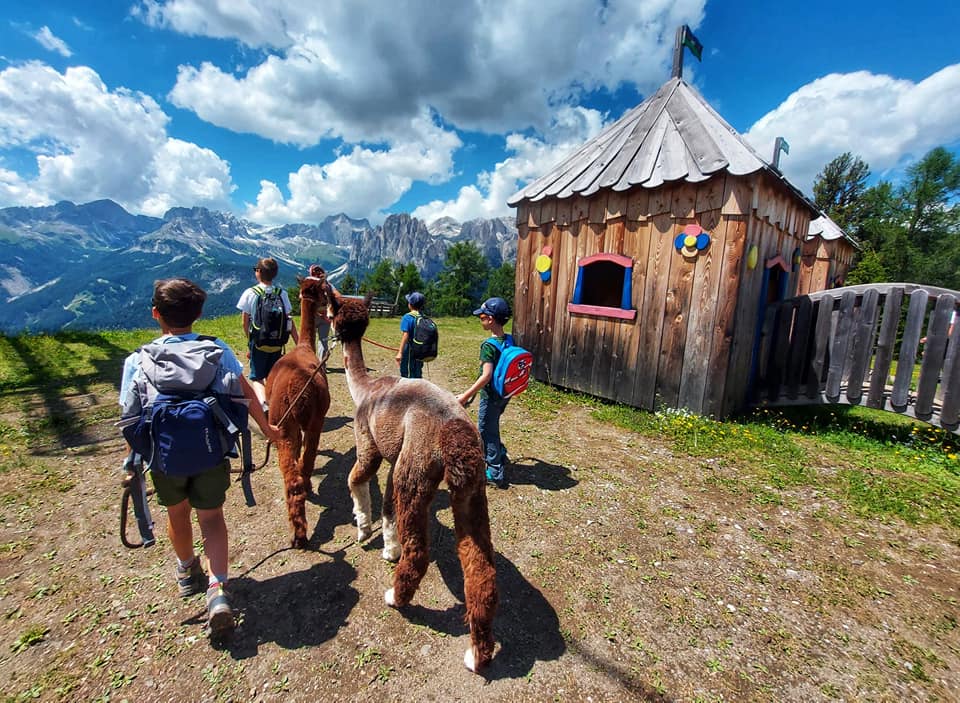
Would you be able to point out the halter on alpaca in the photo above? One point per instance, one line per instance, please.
(298, 393)
(426, 436)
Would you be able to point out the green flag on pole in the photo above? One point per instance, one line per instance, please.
(692, 43)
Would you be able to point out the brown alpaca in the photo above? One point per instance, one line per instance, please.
(426, 437)
(294, 380)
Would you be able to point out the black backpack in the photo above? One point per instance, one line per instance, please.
(424, 338)
(269, 324)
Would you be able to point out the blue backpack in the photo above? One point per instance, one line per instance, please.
(189, 420)
(511, 375)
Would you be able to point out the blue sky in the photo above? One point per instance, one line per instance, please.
(284, 111)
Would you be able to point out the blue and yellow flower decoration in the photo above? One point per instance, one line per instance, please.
(544, 263)
(692, 240)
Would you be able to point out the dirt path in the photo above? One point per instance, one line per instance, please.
(625, 572)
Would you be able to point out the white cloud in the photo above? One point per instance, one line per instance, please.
(361, 182)
(255, 23)
(366, 73)
(91, 142)
(531, 158)
(15, 191)
(48, 40)
(361, 69)
(885, 121)
(185, 174)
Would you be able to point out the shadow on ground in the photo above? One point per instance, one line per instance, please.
(539, 473)
(294, 610)
(526, 626)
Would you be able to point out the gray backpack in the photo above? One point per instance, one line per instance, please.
(188, 419)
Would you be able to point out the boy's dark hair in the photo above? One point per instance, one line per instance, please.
(268, 269)
(179, 301)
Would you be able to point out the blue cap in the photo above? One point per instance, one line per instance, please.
(416, 299)
(497, 308)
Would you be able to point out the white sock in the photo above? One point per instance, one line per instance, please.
(184, 564)
(217, 580)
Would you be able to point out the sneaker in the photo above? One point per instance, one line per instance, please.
(191, 580)
(491, 481)
(219, 613)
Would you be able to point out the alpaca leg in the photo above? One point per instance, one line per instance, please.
(412, 525)
(472, 528)
(311, 443)
(295, 491)
(391, 545)
(359, 484)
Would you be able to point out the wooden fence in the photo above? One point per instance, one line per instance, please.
(859, 345)
(379, 307)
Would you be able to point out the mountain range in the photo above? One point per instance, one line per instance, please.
(92, 265)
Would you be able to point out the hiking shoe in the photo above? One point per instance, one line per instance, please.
(191, 580)
(219, 613)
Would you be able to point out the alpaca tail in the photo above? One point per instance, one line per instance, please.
(462, 455)
(464, 473)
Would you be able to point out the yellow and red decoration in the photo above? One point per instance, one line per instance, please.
(692, 240)
(544, 263)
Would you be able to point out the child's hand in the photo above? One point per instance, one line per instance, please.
(399, 359)
(465, 399)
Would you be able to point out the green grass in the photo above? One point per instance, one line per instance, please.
(886, 466)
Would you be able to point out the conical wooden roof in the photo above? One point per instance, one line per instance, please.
(674, 135)
(826, 228)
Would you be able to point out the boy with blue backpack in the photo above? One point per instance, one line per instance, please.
(176, 395)
(418, 338)
(504, 372)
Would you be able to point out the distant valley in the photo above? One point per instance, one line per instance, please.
(92, 265)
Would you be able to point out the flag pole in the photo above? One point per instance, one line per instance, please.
(678, 54)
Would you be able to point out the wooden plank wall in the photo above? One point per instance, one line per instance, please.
(775, 224)
(691, 342)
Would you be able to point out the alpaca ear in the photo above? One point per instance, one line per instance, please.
(368, 297)
(299, 280)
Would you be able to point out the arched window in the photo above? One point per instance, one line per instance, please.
(604, 287)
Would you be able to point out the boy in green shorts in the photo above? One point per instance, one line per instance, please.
(177, 303)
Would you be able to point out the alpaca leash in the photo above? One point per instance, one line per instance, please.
(248, 467)
(304, 388)
(382, 346)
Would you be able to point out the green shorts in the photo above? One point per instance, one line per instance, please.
(205, 491)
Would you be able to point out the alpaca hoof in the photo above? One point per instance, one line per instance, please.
(469, 660)
(363, 533)
(391, 554)
(389, 599)
(299, 543)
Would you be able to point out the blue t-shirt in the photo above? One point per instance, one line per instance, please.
(409, 322)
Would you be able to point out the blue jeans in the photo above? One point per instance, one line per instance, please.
(494, 453)
(323, 338)
(410, 368)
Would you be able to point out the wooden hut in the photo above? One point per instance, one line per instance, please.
(826, 254)
(646, 258)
